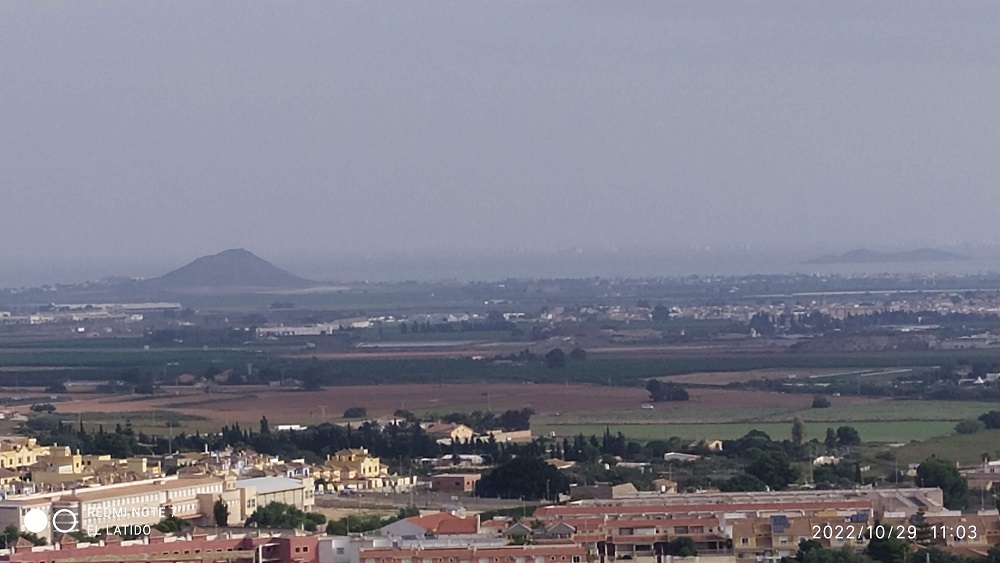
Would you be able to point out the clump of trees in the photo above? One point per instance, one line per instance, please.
(820, 402)
(481, 422)
(768, 463)
(356, 412)
(660, 391)
(220, 513)
(940, 473)
(555, 359)
(11, 534)
(284, 516)
(681, 546)
(366, 523)
(970, 426)
(525, 477)
(743, 482)
(990, 420)
(841, 437)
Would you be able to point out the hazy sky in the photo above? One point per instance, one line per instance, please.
(134, 134)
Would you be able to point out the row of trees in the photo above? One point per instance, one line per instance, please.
(281, 516)
(482, 422)
(400, 442)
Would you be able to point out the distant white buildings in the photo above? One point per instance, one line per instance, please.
(316, 329)
(681, 457)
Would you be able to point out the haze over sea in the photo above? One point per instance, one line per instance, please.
(494, 266)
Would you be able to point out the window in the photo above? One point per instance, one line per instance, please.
(340, 551)
(744, 541)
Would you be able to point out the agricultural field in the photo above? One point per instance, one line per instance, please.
(963, 448)
(562, 409)
(711, 413)
(791, 375)
(881, 432)
(39, 366)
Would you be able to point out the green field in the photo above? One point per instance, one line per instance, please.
(878, 421)
(883, 432)
(886, 410)
(116, 357)
(157, 423)
(965, 448)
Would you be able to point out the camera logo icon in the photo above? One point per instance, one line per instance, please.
(63, 521)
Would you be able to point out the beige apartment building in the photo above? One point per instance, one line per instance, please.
(146, 502)
(261, 491)
(18, 453)
(358, 469)
(61, 468)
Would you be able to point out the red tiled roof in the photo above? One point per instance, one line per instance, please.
(601, 510)
(446, 552)
(445, 523)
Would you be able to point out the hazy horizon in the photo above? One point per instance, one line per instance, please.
(497, 265)
(137, 136)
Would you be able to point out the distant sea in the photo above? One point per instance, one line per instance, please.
(610, 265)
(499, 266)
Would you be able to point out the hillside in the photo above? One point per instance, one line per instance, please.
(865, 256)
(234, 268)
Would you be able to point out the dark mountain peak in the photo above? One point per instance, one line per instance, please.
(236, 267)
(866, 256)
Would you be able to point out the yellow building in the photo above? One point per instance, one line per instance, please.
(63, 467)
(353, 469)
(8, 477)
(18, 453)
(447, 432)
(360, 462)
